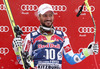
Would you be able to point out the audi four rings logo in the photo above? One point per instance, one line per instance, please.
(64, 29)
(32, 28)
(86, 29)
(4, 28)
(2, 7)
(85, 9)
(25, 7)
(59, 7)
(29, 7)
(29, 28)
(4, 51)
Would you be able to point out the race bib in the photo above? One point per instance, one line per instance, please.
(48, 66)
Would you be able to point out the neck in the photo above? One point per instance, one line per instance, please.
(46, 30)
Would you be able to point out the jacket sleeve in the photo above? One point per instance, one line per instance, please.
(26, 46)
(69, 55)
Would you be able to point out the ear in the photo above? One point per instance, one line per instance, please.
(38, 17)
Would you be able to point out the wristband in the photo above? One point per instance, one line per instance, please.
(85, 52)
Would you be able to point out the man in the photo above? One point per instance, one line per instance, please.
(47, 45)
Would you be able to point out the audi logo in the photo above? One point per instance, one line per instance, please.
(29, 28)
(86, 29)
(4, 51)
(27, 7)
(86, 10)
(59, 7)
(64, 29)
(2, 7)
(33, 28)
(4, 28)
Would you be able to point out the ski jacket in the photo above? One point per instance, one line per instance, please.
(49, 49)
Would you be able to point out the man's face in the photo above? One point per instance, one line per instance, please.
(47, 19)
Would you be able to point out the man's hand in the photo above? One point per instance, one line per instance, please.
(18, 31)
(17, 42)
(93, 48)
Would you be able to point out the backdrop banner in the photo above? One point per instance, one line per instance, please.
(80, 30)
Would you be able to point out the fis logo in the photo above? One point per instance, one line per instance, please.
(4, 51)
(67, 48)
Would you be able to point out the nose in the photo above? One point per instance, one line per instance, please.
(48, 18)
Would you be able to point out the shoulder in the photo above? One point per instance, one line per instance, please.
(35, 34)
(60, 33)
